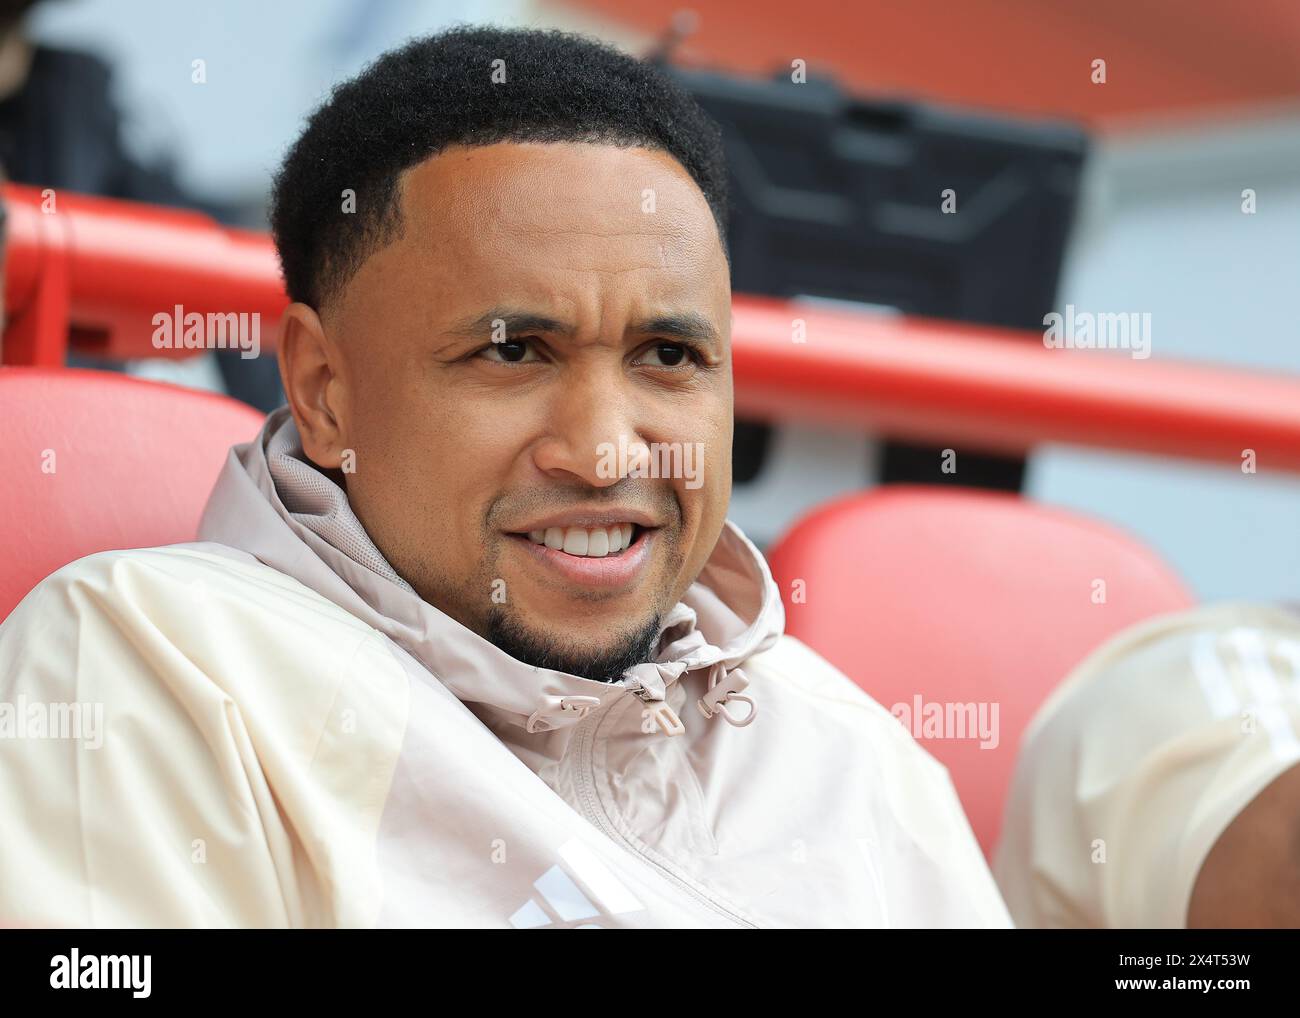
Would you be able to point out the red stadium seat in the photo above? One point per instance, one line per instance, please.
(93, 461)
(963, 598)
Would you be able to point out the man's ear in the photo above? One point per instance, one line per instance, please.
(311, 369)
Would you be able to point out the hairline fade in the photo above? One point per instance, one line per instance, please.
(436, 93)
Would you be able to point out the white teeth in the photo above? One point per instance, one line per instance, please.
(596, 542)
(575, 541)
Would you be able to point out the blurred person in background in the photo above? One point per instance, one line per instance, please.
(1159, 786)
(60, 129)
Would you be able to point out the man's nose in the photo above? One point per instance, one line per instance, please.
(589, 422)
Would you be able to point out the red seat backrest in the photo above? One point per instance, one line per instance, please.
(963, 597)
(94, 460)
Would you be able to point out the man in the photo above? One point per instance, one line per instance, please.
(1160, 785)
(468, 640)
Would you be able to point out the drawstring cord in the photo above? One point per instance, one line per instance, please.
(582, 705)
(724, 687)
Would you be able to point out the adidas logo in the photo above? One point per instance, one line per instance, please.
(870, 850)
(579, 888)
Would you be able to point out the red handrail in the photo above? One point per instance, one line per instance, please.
(92, 272)
(1004, 390)
(97, 270)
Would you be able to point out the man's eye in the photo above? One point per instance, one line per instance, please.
(511, 351)
(669, 355)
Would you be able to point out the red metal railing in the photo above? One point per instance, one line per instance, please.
(92, 273)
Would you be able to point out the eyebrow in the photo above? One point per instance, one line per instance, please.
(682, 325)
(678, 325)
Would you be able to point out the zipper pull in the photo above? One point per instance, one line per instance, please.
(663, 714)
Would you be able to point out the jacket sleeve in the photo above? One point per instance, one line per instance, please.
(1134, 767)
(140, 784)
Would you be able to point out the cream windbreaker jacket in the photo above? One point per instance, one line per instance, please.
(270, 728)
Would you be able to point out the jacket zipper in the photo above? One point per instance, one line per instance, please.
(595, 813)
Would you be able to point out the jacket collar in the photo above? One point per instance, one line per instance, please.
(272, 503)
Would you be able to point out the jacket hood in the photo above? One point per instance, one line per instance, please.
(272, 503)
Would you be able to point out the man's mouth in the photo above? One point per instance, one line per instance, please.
(613, 555)
(588, 542)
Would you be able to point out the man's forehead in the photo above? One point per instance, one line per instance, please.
(561, 230)
(546, 194)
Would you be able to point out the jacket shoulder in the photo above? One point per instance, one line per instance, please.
(210, 571)
(833, 736)
(223, 710)
(798, 667)
(805, 682)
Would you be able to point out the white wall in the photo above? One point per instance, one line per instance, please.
(268, 63)
(1163, 232)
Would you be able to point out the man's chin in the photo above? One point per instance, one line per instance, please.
(605, 661)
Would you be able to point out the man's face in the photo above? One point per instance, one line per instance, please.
(546, 310)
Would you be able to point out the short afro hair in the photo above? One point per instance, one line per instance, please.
(437, 92)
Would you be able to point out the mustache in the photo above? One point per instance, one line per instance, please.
(658, 503)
